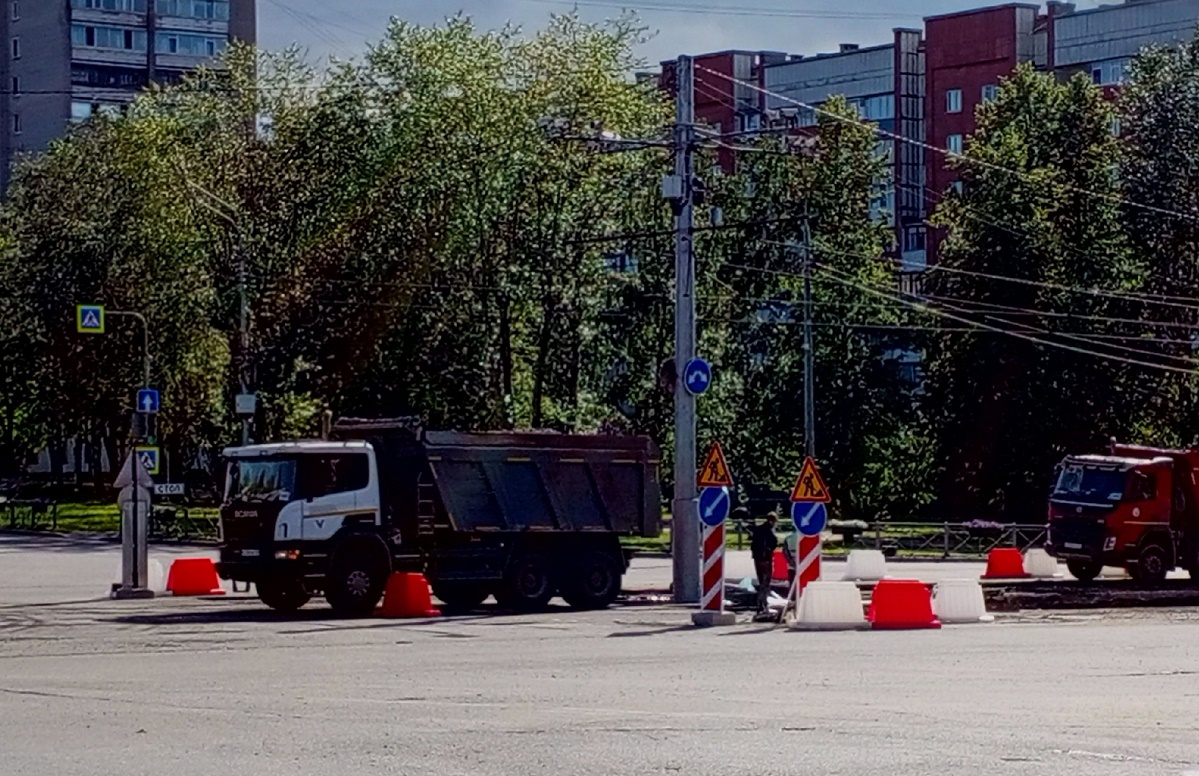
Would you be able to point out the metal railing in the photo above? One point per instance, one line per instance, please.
(927, 540)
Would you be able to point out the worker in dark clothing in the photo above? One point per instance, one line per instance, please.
(762, 545)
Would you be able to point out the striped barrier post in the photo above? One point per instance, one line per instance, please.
(712, 588)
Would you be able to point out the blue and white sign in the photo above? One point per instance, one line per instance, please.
(697, 376)
(148, 400)
(810, 517)
(714, 505)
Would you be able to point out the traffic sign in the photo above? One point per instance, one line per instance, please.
(697, 376)
(170, 489)
(714, 505)
(148, 400)
(810, 517)
(89, 319)
(149, 458)
(715, 471)
(810, 485)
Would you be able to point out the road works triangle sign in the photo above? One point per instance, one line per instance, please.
(810, 485)
(715, 471)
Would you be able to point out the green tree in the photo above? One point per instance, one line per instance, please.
(1038, 205)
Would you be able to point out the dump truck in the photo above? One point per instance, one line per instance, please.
(1134, 507)
(521, 516)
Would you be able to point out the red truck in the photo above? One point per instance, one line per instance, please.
(1135, 507)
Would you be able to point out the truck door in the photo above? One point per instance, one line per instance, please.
(331, 486)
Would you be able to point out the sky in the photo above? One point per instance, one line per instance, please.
(343, 27)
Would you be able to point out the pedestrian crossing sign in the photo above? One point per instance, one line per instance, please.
(810, 486)
(715, 471)
(149, 458)
(89, 319)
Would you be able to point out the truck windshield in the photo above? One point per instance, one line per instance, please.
(261, 480)
(1090, 484)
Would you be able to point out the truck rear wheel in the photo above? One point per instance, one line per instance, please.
(461, 596)
(528, 584)
(283, 594)
(1084, 570)
(593, 583)
(357, 575)
(1153, 563)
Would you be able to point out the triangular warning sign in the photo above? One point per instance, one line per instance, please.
(715, 471)
(810, 485)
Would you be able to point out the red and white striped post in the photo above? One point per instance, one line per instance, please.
(712, 509)
(807, 568)
(712, 576)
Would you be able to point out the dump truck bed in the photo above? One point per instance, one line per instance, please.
(546, 482)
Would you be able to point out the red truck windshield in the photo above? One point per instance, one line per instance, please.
(1085, 483)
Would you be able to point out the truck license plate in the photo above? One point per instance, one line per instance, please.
(1067, 545)
(249, 553)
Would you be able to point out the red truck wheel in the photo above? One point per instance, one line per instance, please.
(1084, 570)
(1153, 563)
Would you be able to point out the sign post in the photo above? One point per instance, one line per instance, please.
(715, 503)
(809, 512)
(134, 500)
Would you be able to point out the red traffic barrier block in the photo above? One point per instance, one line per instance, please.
(1005, 563)
(193, 576)
(778, 571)
(901, 604)
(407, 595)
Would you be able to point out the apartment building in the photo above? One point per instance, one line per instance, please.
(64, 60)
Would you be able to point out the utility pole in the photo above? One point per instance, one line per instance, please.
(679, 188)
(243, 336)
(809, 352)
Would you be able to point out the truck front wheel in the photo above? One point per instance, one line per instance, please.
(1153, 564)
(1084, 570)
(357, 576)
(594, 583)
(283, 594)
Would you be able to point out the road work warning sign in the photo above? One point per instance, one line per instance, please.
(810, 485)
(715, 471)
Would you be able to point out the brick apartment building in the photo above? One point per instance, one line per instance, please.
(925, 85)
(63, 60)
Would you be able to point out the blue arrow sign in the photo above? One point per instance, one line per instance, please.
(810, 517)
(697, 376)
(714, 505)
(148, 400)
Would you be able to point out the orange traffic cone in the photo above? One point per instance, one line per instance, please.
(901, 604)
(407, 595)
(778, 572)
(193, 576)
(1005, 563)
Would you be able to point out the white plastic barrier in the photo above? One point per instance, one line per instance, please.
(865, 566)
(960, 601)
(830, 606)
(1040, 564)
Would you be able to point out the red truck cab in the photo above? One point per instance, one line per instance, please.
(1133, 508)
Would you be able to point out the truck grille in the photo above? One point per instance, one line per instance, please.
(1084, 532)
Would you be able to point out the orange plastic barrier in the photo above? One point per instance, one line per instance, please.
(193, 576)
(407, 595)
(1005, 563)
(901, 604)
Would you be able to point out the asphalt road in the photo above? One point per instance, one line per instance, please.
(182, 687)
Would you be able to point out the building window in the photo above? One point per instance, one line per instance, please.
(1116, 127)
(217, 10)
(953, 101)
(16, 123)
(81, 111)
(880, 108)
(990, 92)
(108, 37)
(1109, 73)
(16, 86)
(957, 187)
(189, 45)
(953, 144)
(913, 239)
(120, 6)
(16, 11)
(16, 48)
